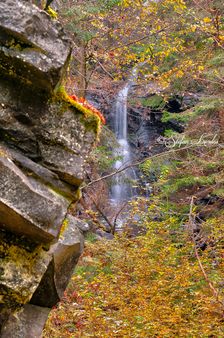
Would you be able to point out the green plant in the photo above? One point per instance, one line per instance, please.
(105, 158)
(91, 119)
(218, 192)
(217, 60)
(90, 237)
(170, 133)
(175, 184)
(52, 13)
(209, 106)
(184, 117)
(154, 102)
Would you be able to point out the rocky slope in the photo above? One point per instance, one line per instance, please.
(44, 143)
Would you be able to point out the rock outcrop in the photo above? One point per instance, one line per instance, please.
(45, 141)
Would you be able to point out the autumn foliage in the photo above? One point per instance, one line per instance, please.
(147, 286)
(168, 282)
(87, 105)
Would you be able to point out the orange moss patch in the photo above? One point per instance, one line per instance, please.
(87, 105)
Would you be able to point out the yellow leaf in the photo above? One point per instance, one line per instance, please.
(207, 20)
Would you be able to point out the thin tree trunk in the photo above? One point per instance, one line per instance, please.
(83, 72)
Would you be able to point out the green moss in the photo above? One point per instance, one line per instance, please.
(89, 272)
(180, 117)
(209, 106)
(19, 259)
(211, 165)
(22, 255)
(170, 133)
(70, 196)
(91, 120)
(219, 192)
(154, 102)
(10, 71)
(206, 106)
(174, 185)
(90, 237)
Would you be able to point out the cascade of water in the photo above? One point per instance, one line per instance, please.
(121, 113)
(122, 189)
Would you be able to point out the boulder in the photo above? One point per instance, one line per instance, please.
(35, 171)
(65, 143)
(65, 255)
(33, 47)
(27, 323)
(29, 208)
(22, 266)
(104, 235)
(81, 225)
(54, 134)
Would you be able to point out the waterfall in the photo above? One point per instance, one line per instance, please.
(122, 189)
(121, 113)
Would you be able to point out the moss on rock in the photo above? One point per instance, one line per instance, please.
(21, 268)
(90, 120)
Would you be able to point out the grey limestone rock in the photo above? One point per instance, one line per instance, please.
(50, 133)
(45, 142)
(29, 208)
(80, 224)
(104, 235)
(32, 46)
(65, 255)
(27, 323)
(22, 266)
(35, 171)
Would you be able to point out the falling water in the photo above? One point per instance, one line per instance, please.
(122, 189)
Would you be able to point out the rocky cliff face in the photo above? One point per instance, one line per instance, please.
(44, 143)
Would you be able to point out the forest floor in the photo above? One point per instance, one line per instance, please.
(167, 282)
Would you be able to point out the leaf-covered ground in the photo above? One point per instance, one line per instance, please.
(147, 286)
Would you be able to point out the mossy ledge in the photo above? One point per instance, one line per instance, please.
(91, 120)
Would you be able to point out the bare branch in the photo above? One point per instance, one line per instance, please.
(104, 69)
(192, 225)
(101, 212)
(171, 151)
(117, 214)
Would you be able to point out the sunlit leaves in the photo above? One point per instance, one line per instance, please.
(140, 287)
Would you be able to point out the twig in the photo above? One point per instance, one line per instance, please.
(111, 225)
(192, 224)
(136, 164)
(139, 39)
(104, 69)
(117, 214)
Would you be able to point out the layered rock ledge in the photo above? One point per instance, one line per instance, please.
(44, 144)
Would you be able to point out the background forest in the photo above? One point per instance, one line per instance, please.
(165, 278)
